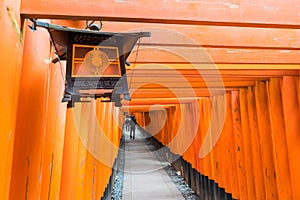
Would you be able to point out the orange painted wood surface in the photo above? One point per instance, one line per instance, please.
(256, 14)
(181, 81)
(283, 174)
(255, 143)
(212, 71)
(298, 89)
(207, 141)
(247, 145)
(216, 151)
(231, 151)
(92, 164)
(254, 123)
(70, 153)
(226, 135)
(217, 55)
(238, 145)
(266, 142)
(200, 137)
(292, 127)
(31, 120)
(210, 36)
(40, 158)
(49, 152)
(11, 47)
(55, 131)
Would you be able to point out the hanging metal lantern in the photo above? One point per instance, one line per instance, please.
(95, 62)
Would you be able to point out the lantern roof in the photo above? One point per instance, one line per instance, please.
(59, 36)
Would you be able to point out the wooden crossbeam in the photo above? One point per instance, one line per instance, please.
(190, 79)
(177, 93)
(257, 13)
(198, 55)
(153, 101)
(192, 31)
(209, 70)
(194, 85)
(211, 36)
(143, 108)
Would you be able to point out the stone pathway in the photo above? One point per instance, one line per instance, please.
(144, 175)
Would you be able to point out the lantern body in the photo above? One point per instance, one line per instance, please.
(96, 66)
(95, 61)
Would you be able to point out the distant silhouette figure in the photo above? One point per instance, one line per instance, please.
(132, 126)
(132, 117)
(132, 129)
(127, 124)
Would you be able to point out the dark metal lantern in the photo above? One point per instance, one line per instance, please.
(95, 62)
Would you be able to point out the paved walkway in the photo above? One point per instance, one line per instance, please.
(144, 176)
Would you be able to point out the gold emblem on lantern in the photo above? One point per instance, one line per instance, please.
(96, 61)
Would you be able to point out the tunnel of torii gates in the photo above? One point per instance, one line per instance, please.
(217, 83)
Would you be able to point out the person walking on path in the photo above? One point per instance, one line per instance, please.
(132, 129)
(132, 126)
(127, 123)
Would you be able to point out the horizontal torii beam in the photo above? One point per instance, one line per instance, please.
(210, 36)
(257, 13)
(198, 55)
(190, 70)
(175, 93)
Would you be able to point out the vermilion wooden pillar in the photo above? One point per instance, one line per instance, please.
(11, 45)
(214, 129)
(221, 114)
(82, 124)
(100, 167)
(206, 133)
(90, 170)
(54, 139)
(283, 175)
(32, 117)
(298, 89)
(247, 145)
(266, 141)
(231, 151)
(238, 147)
(55, 130)
(200, 164)
(70, 153)
(195, 146)
(225, 139)
(256, 148)
(292, 127)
